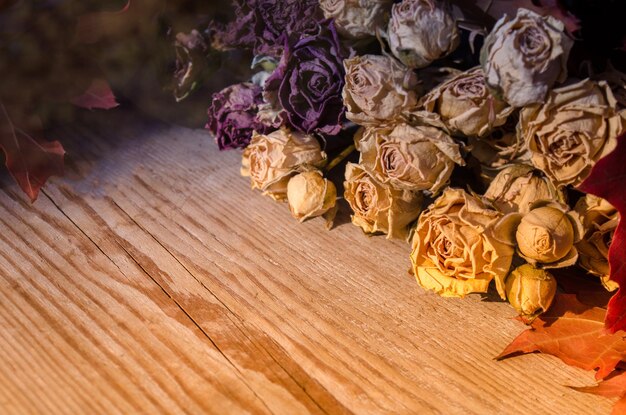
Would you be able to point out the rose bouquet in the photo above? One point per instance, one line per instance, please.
(476, 155)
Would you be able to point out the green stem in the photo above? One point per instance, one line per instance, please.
(339, 158)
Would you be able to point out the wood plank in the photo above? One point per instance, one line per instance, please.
(166, 242)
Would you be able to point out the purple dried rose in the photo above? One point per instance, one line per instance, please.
(233, 115)
(262, 24)
(308, 81)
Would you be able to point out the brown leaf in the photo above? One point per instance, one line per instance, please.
(612, 387)
(30, 159)
(575, 333)
(98, 95)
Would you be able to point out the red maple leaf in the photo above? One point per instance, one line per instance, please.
(612, 387)
(99, 95)
(608, 181)
(30, 159)
(575, 333)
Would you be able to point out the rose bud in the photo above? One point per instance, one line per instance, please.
(523, 57)
(465, 106)
(407, 157)
(455, 251)
(310, 195)
(517, 187)
(378, 89)
(545, 235)
(530, 291)
(577, 126)
(271, 160)
(357, 19)
(378, 207)
(232, 115)
(421, 31)
(599, 220)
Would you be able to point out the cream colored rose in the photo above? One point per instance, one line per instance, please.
(378, 207)
(407, 157)
(545, 235)
(357, 19)
(524, 56)
(270, 160)
(530, 291)
(378, 89)
(421, 31)
(516, 188)
(454, 250)
(599, 220)
(577, 125)
(465, 106)
(310, 195)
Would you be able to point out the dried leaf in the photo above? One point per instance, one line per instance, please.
(98, 96)
(612, 387)
(575, 333)
(30, 159)
(607, 180)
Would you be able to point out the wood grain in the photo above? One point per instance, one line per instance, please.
(152, 280)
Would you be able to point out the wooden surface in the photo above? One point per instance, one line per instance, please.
(152, 280)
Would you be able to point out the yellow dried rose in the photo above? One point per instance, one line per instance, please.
(518, 186)
(378, 207)
(599, 220)
(464, 105)
(357, 19)
(407, 157)
(577, 125)
(378, 89)
(524, 56)
(455, 251)
(310, 195)
(421, 31)
(530, 291)
(545, 235)
(498, 148)
(271, 159)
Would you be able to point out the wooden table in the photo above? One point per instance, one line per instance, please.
(150, 279)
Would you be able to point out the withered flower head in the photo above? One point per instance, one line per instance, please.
(530, 291)
(357, 19)
(271, 159)
(378, 207)
(576, 126)
(599, 220)
(524, 56)
(310, 195)
(407, 157)
(378, 89)
(421, 31)
(454, 249)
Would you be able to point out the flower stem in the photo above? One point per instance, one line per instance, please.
(339, 158)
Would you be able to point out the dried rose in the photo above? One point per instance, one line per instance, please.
(530, 291)
(191, 63)
(421, 31)
(308, 83)
(516, 188)
(577, 125)
(454, 250)
(310, 195)
(599, 220)
(262, 24)
(523, 57)
(545, 235)
(464, 105)
(378, 89)
(407, 157)
(271, 160)
(499, 148)
(357, 19)
(232, 115)
(378, 207)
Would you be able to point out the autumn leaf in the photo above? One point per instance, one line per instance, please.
(98, 96)
(612, 387)
(607, 180)
(30, 159)
(575, 333)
